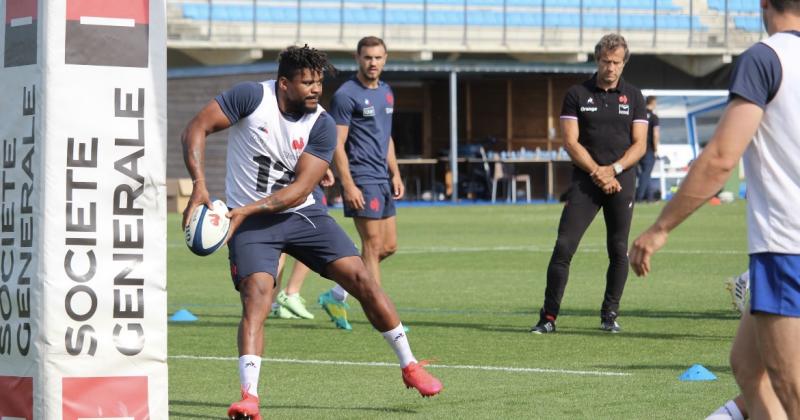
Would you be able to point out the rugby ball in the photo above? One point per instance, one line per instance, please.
(207, 228)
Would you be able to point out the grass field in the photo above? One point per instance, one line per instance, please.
(469, 282)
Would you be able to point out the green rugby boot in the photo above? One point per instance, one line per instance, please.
(294, 303)
(336, 310)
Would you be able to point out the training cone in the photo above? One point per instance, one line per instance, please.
(698, 373)
(183, 315)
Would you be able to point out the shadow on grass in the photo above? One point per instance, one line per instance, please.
(630, 333)
(644, 313)
(532, 312)
(678, 369)
(563, 330)
(222, 408)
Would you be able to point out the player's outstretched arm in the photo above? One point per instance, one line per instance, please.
(193, 138)
(706, 176)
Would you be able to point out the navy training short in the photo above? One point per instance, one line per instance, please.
(315, 240)
(775, 284)
(378, 202)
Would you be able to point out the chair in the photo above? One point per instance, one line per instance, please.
(501, 173)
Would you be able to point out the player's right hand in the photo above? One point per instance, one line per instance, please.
(199, 196)
(644, 247)
(237, 216)
(353, 197)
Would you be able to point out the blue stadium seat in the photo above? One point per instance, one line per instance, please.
(527, 3)
(496, 3)
(748, 23)
(195, 11)
(562, 3)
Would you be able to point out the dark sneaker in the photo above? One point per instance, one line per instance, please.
(546, 324)
(608, 322)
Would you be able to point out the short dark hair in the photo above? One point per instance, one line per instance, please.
(650, 99)
(611, 42)
(782, 5)
(294, 59)
(369, 41)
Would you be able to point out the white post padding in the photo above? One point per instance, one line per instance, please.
(83, 316)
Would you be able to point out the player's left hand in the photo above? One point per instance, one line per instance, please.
(612, 187)
(603, 175)
(644, 247)
(398, 189)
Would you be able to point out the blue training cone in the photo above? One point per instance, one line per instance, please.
(183, 315)
(698, 373)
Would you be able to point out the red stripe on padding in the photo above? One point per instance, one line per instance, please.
(138, 10)
(20, 9)
(16, 397)
(110, 396)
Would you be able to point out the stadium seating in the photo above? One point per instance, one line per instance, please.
(748, 23)
(598, 14)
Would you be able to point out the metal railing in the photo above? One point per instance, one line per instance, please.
(690, 26)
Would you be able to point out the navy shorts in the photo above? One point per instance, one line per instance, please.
(315, 241)
(775, 284)
(378, 202)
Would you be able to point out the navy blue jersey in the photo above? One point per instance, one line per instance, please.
(368, 114)
(757, 74)
(245, 98)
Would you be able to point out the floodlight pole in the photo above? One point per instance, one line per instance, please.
(454, 133)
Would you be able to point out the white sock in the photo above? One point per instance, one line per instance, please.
(275, 305)
(729, 411)
(398, 341)
(249, 369)
(339, 293)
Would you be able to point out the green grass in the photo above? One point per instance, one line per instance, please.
(469, 282)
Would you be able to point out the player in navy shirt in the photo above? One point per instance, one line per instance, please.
(280, 144)
(366, 164)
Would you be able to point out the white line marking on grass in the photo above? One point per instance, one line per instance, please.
(382, 364)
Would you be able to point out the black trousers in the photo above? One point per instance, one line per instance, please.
(584, 200)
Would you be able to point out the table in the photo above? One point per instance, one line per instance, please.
(550, 162)
(422, 161)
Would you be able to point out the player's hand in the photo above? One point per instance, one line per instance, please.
(398, 189)
(353, 197)
(199, 196)
(603, 175)
(237, 216)
(328, 179)
(612, 187)
(644, 247)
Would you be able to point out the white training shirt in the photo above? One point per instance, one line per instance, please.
(263, 150)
